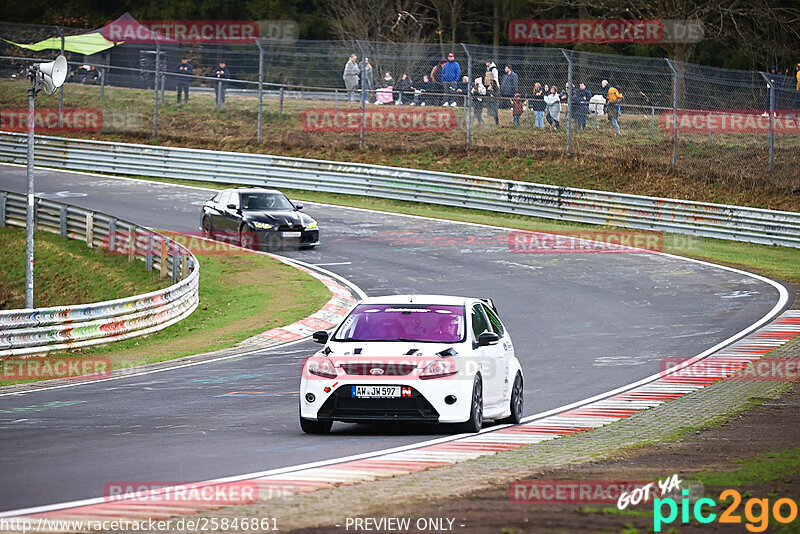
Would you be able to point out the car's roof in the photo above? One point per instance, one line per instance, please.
(254, 190)
(444, 300)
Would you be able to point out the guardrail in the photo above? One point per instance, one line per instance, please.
(508, 196)
(32, 331)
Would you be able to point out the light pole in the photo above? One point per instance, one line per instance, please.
(47, 76)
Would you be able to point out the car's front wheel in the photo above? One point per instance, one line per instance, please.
(247, 239)
(516, 403)
(208, 229)
(315, 427)
(475, 421)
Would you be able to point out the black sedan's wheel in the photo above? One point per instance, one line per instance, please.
(516, 403)
(208, 228)
(475, 422)
(247, 239)
(315, 427)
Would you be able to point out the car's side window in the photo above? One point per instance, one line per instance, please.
(216, 197)
(479, 322)
(497, 326)
(224, 198)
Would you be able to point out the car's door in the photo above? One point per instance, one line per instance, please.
(505, 351)
(488, 358)
(229, 217)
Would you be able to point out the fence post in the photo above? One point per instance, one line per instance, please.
(148, 252)
(674, 112)
(103, 74)
(219, 95)
(771, 111)
(468, 107)
(112, 235)
(163, 260)
(184, 266)
(569, 99)
(131, 243)
(61, 89)
(90, 229)
(155, 92)
(163, 79)
(176, 266)
(280, 102)
(260, 88)
(363, 110)
(62, 221)
(3, 197)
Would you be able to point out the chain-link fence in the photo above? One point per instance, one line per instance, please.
(416, 96)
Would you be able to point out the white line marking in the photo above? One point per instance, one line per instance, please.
(333, 263)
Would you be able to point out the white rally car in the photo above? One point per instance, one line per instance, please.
(416, 358)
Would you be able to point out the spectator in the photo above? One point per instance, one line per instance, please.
(404, 91)
(436, 79)
(350, 77)
(517, 105)
(537, 105)
(796, 102)
(613, 102)
(580, 100)
(79, 74)
(509, 86)
(184, 70)
(425, 88)
(478, 94)
(92, 75)
(604, 90)
(384, 94)
(491, 67)
(222, 74)
(564, 95)
(492, 100)
(553, 103)
(775, 80)
(365, 69)
(451, 73)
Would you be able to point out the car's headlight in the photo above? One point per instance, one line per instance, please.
(321, 367)
(261, 225)
(312, 226)
(438, 369)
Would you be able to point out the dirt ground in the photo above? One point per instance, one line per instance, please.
(771, 426)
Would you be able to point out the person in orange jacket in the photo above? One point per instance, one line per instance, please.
(613, 101)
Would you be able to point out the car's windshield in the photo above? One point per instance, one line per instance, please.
(265, 202)
(403, 322)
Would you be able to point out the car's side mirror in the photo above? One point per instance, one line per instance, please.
(231, 206)
(488, 338)
(320, 336)
(298, 206)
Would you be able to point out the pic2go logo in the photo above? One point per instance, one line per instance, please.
(756, 511)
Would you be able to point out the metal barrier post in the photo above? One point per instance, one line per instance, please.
(184, 266)
(569, 99)
(112, 235)
(260, 88)
(280, 103)
(363, 104)
(468, 107)
(62, 221)
(163, 259)
(148, 257)
(3, 197)
(155, 92)
(132, 243)
(674, 112)
(175, 264)
(90, 229)
(163, 80)
(219, 95)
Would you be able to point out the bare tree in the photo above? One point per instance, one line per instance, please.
(396, 21)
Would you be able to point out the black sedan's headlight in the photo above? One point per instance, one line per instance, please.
(258, 225)
(311, 225)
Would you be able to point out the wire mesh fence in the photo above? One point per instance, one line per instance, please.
(425, 96)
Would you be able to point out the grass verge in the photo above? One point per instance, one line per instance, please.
(241, 295)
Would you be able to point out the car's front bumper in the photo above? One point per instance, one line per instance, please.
(275, 239)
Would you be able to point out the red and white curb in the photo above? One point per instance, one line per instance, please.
(325, 318)
(450, 450)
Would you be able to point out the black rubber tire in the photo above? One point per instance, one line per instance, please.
(517, 402)
(475, 421)
(315, 427)
(208, 228)
(246, 240)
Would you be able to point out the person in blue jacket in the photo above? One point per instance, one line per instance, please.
(451, 75)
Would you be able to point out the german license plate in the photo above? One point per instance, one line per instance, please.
(290, 234)
(373, 392)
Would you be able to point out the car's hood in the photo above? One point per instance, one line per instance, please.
(387, 352)
(277, 218)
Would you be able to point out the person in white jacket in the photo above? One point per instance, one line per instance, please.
(478, 94)
(553, 103)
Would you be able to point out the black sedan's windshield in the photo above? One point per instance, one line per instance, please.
(265, 202)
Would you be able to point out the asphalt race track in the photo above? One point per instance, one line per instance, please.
(582, 324)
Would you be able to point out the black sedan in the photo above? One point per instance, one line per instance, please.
(258, 219)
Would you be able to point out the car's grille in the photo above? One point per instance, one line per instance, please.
(341, 406)
(388, 369)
